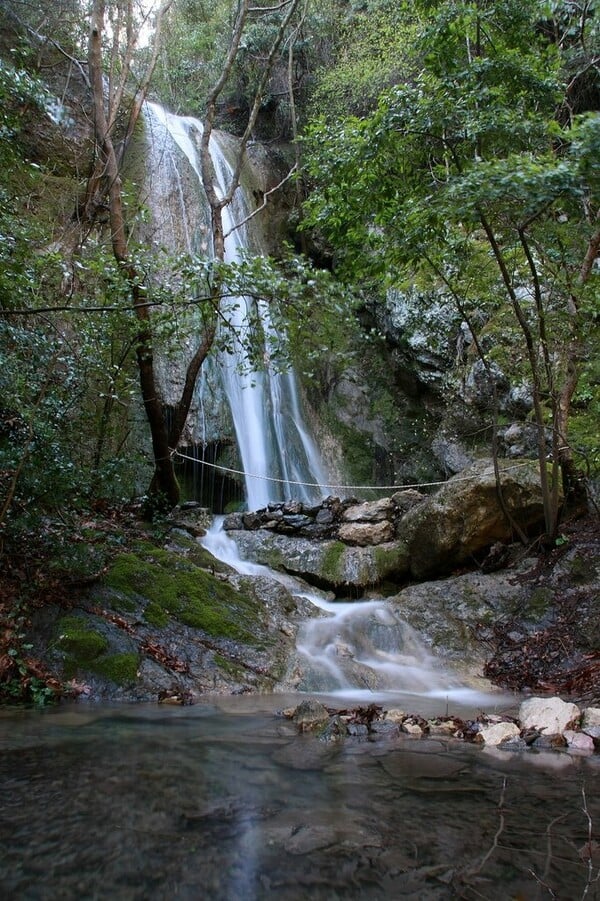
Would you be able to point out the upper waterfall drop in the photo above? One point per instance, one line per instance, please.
(279, 457)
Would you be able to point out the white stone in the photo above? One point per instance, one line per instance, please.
(494, 735)
(412, 728)
(395, 716)
(370, 511)
(365, 534)
(551, 716)
(591, 717)
(579, 741)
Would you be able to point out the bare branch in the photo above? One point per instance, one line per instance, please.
(263, 205)
(258, 100)
(499, 830)
(270, 9)
(592, 251)
(142, 90)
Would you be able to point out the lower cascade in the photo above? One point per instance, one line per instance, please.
(358, 648)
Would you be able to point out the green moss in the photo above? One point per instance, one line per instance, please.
(358, 451)
(274, 558)
(581, 571)
(199, 556)
(391, 558)
(229, 667)
(538, 603)
(119, 668)
(175, 587)
(79, 642)
(85, 649)
(122, 604)
(392, 561)
(156, 615)
(331, 565)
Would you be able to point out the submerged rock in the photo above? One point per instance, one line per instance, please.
(310, 714)
(335, 729)
(490, 731)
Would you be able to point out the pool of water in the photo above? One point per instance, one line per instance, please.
(225, 800)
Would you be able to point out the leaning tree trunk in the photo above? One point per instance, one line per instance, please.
(164, 486)
(571, 482)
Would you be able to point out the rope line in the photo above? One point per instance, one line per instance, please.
(246, 475)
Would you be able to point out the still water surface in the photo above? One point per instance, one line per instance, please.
(224, 800)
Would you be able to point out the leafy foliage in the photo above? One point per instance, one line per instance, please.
(305, 302)
(466, 179)
(370, 52)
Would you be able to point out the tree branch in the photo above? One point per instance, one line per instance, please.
(263, 205)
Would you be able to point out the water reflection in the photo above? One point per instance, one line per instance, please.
(188, 803)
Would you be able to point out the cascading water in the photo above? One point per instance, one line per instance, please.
(361, 648)
(279, 457)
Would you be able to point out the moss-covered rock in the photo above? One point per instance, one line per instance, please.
(78, 641)
(189, 547)
(122, 669)
(87, 650)
(332, 562)
(328, 564)
(171, 586)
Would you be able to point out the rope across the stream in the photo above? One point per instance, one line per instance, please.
(416, 485)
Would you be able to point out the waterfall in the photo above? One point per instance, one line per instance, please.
(276, 448)
(359, 648)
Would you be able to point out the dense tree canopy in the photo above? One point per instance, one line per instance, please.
(478, 177)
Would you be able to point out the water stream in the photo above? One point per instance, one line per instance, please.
(361, 649)
(226, 801)
(351, 646)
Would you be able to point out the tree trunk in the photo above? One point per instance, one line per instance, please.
(571, 482)
(164, 487)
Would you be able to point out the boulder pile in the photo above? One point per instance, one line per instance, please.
(408, 535)
(542, 724)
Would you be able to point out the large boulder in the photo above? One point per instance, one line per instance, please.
(451, 615)
(169, 624)
(465, 516)
(550, 716)
(329, 564)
